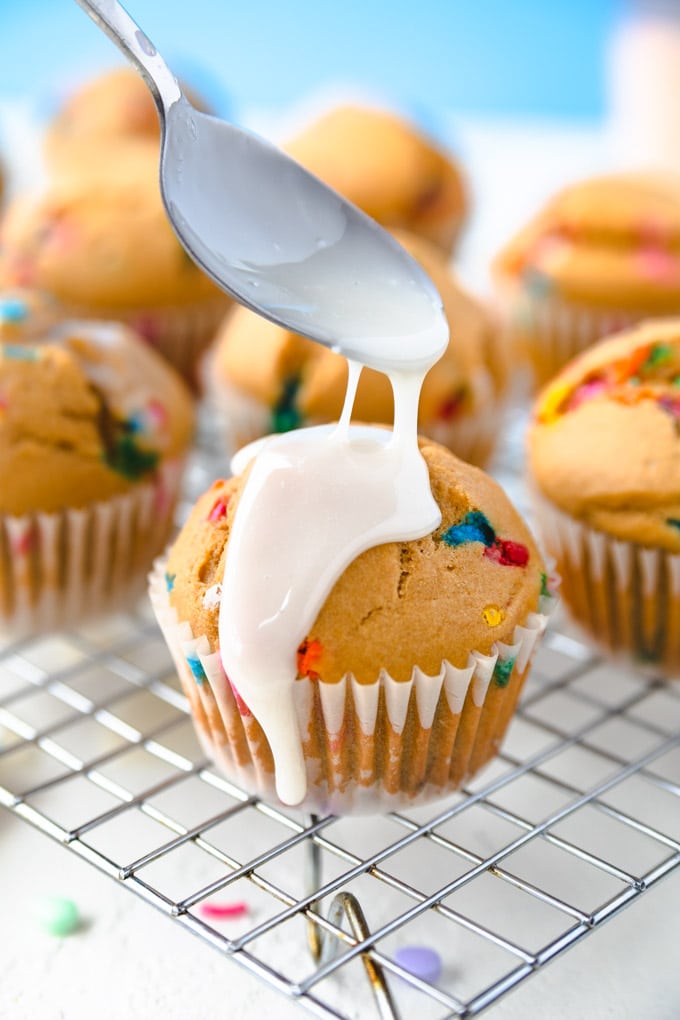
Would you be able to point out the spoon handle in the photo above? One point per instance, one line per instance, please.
(115, 21)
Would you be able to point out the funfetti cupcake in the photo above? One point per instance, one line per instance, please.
(262, 378)
(600, 256)
(604, 456)
(98, 240)
(94, 429)
(408, 677)
(386, 165)
(110, 109)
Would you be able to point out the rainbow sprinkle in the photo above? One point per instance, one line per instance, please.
(493, 615)
(634, 378)
(196, 668)
(129, 459)
(503, 671)
(219, 510)
(285, 413)
(224, 910)
(452, 406)
(13, 310)
(308, 654)
(475, 527)
(240, 703)
(20, 352)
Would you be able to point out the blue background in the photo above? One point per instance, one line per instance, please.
(501, 58)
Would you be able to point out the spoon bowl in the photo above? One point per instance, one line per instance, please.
(274, 236)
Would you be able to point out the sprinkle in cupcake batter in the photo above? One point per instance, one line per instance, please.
(475, 527)
(650, 372)
(13, 310)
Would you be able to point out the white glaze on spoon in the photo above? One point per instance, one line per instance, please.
(314, 500)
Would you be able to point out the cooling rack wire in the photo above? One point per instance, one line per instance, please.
(576, 819)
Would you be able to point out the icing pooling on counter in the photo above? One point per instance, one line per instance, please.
(313, 501)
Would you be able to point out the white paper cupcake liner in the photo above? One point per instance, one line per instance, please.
(240, 419)
(473, 436)
(57, 569)
(368, 748)
(625, 596)
(180, 334)
(550, 331)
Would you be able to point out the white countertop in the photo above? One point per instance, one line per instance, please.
(132, 962)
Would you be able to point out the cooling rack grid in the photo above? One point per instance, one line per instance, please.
(577, 818)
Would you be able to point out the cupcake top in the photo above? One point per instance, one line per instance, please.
(387, 167)
(116, 106)
(26, 314)
(609, 241)
(461, 588)
(101, 240)
(87, 411)
(604, 445)
(300, 380)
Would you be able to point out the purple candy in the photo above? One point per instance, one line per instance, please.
(420, 961)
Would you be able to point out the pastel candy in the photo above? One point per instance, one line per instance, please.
(57, 915)
(422, 962)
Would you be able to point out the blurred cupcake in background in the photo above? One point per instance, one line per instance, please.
(109, 109)
(602, 255)
(604, 458)
(94, 430)
(261, 378)
(389, 168)
(97, 239)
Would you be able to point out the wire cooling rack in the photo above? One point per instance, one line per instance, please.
(575, 819)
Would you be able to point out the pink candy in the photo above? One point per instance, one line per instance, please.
(658, 264)
(224, 910)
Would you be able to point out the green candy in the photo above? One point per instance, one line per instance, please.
(503, 672)
(659, 354)
(58, 915)
(285, 414)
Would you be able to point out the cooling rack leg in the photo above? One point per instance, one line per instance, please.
(323, 945)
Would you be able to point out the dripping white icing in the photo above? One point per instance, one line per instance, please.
(314, 500)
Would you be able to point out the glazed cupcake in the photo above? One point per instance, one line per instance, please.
(100, 243)
(407, 679)
(601, 256)
(604, 457)
(261, 378)
(94, 429)
(110, 109)
(389, 168)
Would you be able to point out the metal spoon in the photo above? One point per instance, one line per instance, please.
(274, 236)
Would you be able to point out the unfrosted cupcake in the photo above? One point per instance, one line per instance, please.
(408, 678)
(109, 109)
(94, 429)
(602, 255)
(388, 167)
(99, 241)
(262, 378)
(604, 456)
